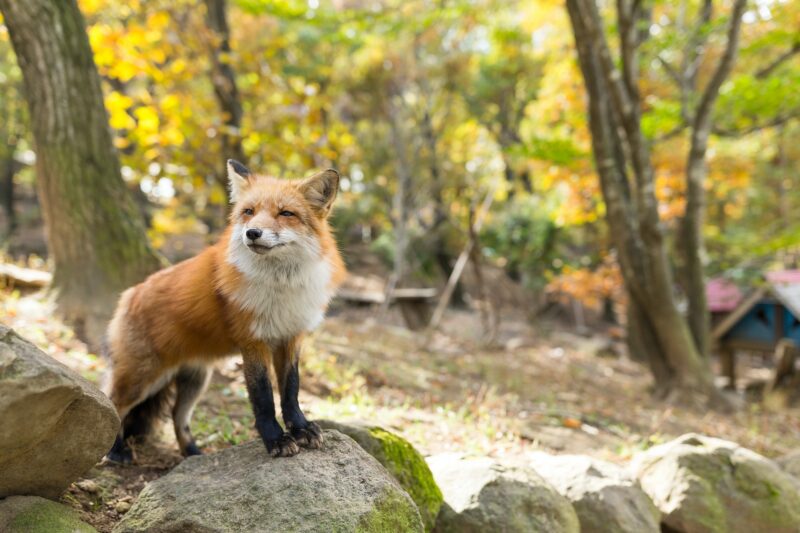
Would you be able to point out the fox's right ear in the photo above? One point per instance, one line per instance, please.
(238, 176)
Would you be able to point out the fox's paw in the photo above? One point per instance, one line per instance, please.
(120, 452)
(123, 457)
(192, 449)
(309, 436)
(283, 446)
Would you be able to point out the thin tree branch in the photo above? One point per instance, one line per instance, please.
(628, 40)
(674, 132)
(703, 113)
(777, 121)
(670, 70)
(695, 48)
(781, 59)
(587, 11)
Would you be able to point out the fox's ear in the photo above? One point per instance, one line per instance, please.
(320, 190)
(238, 176)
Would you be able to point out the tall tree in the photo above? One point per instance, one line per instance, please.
(699, 120)
(95, 233)
(13, 128)
(224, 81)
(622, 156)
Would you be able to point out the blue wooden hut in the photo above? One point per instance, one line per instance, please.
(760, 321)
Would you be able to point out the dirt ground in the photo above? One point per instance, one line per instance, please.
(537, 387)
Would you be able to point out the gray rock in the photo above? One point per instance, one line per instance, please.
(703, 485)
(481, 495)
(32, 514)
(241, 489)
(402, 460)
(790, 463)
(606, 498)
(56, 425)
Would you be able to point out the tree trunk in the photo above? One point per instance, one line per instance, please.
(7, 168)
(657, 332)
(224, 81)
(399, 204)
(692, 253)
(444, 259)
(95, 234)
(692, 224)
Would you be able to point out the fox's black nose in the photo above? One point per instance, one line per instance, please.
(253, 233)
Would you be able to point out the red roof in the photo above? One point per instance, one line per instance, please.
(783, 277)
(723, 295)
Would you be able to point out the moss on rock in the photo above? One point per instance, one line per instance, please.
(391, 513)
(32, 514)
(402, 460)
(707, 485)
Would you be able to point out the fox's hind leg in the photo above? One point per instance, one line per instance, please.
(285, 359)
(190, 382)
(130, 387)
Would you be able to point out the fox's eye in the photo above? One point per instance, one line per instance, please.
(249, 212)
(286, 214)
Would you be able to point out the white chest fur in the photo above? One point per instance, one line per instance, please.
(287, 294)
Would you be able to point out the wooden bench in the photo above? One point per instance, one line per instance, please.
(415, 303)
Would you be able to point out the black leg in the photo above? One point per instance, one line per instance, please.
(120, 452)
(278, 443)
(304, 432)
(190, 382)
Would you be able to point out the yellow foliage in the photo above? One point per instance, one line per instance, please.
(118, 105)
(147, 119)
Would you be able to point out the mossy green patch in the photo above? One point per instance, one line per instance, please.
(391, 513)
(44, 516)
(403, 461)
(410, 469)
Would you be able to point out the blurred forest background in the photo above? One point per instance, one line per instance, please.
(586, 168)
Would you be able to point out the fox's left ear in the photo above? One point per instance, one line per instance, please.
(320, 190)
(238, 176)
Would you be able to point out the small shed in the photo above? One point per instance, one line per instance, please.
(723, 297)
(761, 320)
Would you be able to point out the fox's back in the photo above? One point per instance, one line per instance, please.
(176, 312)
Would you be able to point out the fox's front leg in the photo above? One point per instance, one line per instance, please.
(285, 358)
(278, 442)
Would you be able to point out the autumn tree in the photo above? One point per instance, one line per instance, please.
(623, 159)
(223, 79)
(505, 82)
(95, 234)
(13, 127)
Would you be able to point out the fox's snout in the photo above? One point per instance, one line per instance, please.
(260, 240)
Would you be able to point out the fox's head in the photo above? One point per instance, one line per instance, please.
(279, 218)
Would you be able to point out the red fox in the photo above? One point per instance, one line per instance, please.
(258, 290)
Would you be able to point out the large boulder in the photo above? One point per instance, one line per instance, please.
(56, 425)
(606, 498)
(482, 495)
(241, 489)
(704, 485)
(790, 463)
(402, 460)
(32, 514)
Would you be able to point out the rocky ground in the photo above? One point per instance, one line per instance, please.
(534, 389)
